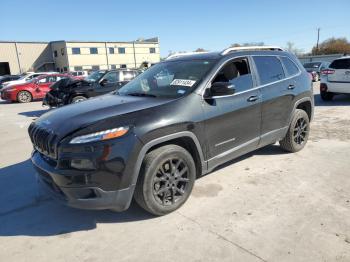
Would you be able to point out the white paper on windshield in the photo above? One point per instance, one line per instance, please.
(182, 82)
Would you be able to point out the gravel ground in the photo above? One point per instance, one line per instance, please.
(265, 206)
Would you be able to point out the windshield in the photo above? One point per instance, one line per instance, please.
(312, 65)
(95, 76)
(168, 79)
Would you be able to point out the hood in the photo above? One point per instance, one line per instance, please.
(66, 84)
(14, 82)
(67, 119)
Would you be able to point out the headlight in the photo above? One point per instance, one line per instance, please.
(100, 136)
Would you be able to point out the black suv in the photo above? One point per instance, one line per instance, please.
(73, 90)
(176, 121)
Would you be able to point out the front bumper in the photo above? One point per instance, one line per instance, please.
(84, 197)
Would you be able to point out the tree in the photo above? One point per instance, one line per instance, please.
(200, 50)
(248, 44)
(291, 48)
(332, 46)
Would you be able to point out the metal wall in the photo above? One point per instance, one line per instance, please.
(317, 58)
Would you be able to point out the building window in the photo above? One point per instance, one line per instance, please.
(95, 67)
(113, 67)
(62, 51)
(152, 50)
(93, 51)
(55, 53)
(78, 68)
(123, 66)
(121, 50)
(65, 69)
(111, 50)
(76, 50)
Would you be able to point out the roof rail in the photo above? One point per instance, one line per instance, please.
(251, 48)
(183, 54)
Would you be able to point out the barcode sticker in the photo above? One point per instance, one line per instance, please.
(182, 82)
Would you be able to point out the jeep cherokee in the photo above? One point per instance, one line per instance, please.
(176, 121)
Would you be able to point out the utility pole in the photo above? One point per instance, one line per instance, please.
(318, 39)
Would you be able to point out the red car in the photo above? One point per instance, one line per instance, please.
(32, 90)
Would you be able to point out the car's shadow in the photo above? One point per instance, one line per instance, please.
(26, 210)
(35, 113)
(338, 100)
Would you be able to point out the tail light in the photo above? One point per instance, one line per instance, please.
(327, 72)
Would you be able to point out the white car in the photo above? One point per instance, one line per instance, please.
(26, 77)
(336, 79)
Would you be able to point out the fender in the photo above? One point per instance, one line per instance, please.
(298, 102)
(163, 139)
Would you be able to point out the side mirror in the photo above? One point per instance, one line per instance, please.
(103, 82)
(220, 89)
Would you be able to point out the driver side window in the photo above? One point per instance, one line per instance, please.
(112, 77)
(237, 73)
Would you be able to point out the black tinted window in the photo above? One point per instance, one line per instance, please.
(269, 69)
(340, 64)
(112, 77)
(291, 68)
(75, 50)
(93, 50)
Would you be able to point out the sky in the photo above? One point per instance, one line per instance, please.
(180, 25)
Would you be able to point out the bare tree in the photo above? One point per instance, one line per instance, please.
(332, 46)
(293, 49)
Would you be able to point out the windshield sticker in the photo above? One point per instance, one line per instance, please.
(182, 82)
(181, 92)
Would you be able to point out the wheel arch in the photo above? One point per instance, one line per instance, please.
(185, 139)
(24, 90)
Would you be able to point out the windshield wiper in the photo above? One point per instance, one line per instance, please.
(141, 94)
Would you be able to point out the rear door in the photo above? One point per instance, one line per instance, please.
(277, 96)
(43, 86)
(340, 79)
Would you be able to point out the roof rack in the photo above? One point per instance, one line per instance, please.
(251, 48)
(184, 54)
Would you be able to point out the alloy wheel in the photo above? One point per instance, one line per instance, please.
(170, 183)
(300, 131)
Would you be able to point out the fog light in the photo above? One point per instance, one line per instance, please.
(84, 164)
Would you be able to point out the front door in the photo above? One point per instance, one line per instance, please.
(108, 83)
(233, 122)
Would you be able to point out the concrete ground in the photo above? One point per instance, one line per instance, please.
(265, 206)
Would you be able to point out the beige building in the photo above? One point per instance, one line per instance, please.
(63, 56)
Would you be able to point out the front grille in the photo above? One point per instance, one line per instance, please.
(43, 140)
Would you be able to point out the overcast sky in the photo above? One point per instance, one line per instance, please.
(181, 25)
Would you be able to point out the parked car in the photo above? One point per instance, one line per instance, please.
(152, 139)
(315, 69)
(26, 77)
(98, 83)
(7, 78)
(32, 90)
(336, 79)
(79, 74)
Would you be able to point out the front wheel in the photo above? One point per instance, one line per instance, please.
(298, 132)
(166, 180)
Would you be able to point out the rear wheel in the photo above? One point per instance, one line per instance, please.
(298, 132)
(24, 97)
(166, 180)
(326, 96)
(78, 99)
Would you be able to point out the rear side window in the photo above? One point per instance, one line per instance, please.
(340, 64)
(269, 69)
(290, 67)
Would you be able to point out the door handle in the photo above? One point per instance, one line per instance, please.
(291, 87)
(252, 98)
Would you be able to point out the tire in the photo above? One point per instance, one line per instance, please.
(24, 97)
(326, 96)
(78, 99)
(298, 132)
(159, 190)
